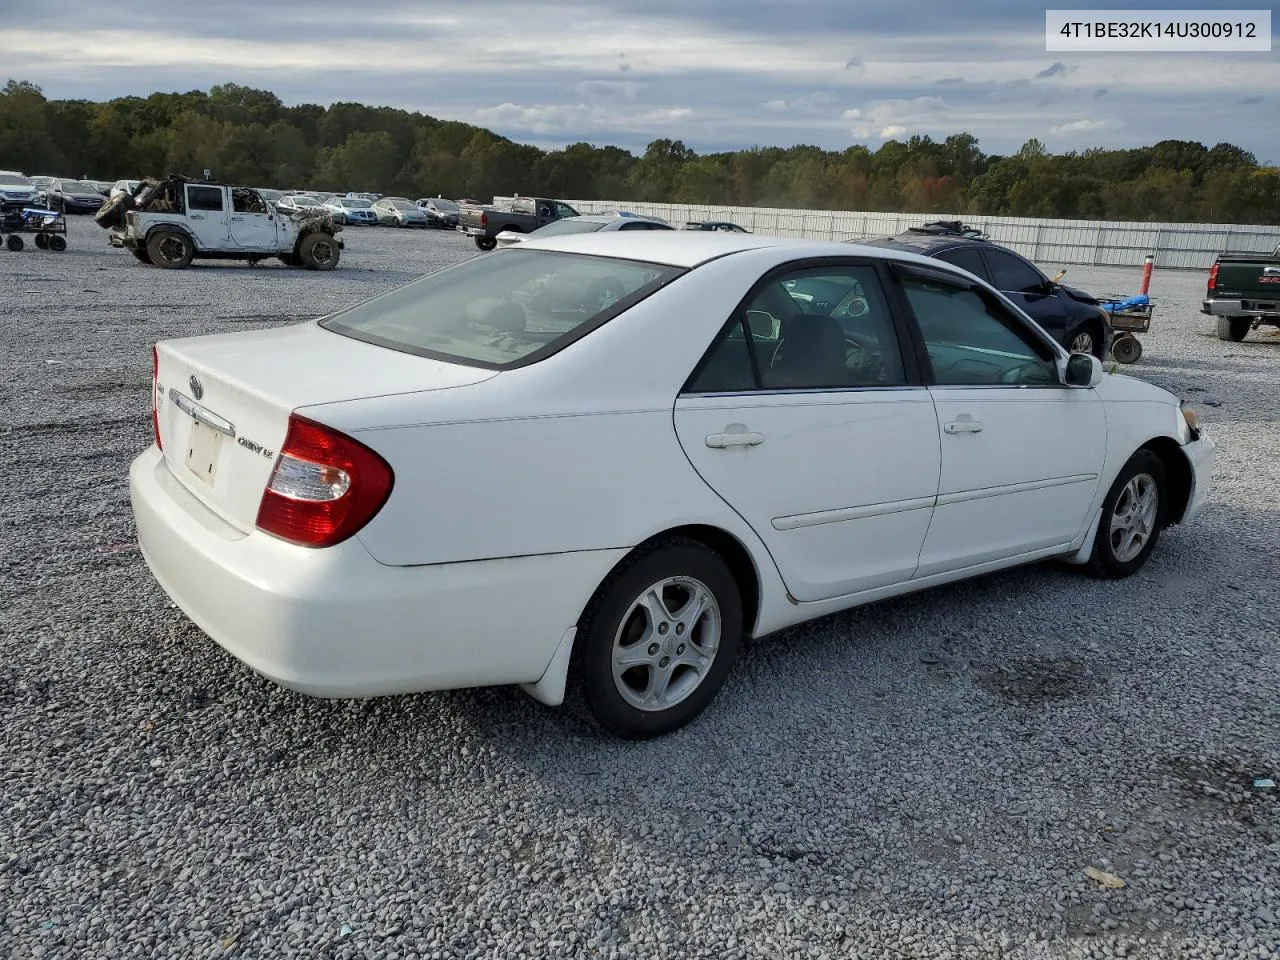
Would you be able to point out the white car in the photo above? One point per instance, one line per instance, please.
(587, 223)
(606, 460)
(122, 187)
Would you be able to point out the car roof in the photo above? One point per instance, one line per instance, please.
(690, 248)
(921, 243)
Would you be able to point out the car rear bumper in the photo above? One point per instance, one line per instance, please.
(1242, 308)
(1200, 454)
(334, 622)
(473, 231)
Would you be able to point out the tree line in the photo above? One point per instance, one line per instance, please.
(249, 136)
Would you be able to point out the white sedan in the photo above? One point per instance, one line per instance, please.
(604, 461)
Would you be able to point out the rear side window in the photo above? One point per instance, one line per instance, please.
(966, 258)
(204, 198)
(1011, 273)
(505, 310)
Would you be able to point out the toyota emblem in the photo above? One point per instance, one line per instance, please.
(197, 388)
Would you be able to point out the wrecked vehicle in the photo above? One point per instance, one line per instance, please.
(168, 223)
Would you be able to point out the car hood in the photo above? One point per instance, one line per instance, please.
(1076, 294)
(1122, 388)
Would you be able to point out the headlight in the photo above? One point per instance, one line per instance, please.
(1188, 424)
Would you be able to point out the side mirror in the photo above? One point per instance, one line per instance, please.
(1083, 370)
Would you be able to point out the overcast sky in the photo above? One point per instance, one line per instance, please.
(717, 74)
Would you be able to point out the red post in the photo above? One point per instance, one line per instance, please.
(1147, 267)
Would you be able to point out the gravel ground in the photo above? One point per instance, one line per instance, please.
(928, 777)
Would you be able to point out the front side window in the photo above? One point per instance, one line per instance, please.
(1011, 273)
(204, 198)
(564, 210)
(503, 310)
(973, 341)
(816, 328)
(560, 227)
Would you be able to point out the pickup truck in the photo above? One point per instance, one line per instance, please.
(1243, 293)
(527, 214)
(168, 223)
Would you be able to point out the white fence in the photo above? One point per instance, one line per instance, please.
(1051, 242)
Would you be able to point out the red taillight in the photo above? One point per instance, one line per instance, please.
(1213, 277)
(324, 488)
(155, 395)
(484, 219)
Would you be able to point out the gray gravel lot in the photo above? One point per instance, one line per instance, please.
(927, 777)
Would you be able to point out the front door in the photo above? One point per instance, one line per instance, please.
(808, 421)
(1021, 452)
(253, 222)
(207, 215)
(1029, 290)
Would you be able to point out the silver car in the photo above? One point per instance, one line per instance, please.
(399, 212)
(588, 223)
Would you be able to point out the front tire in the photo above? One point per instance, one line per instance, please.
(1133, 515)
(1233, 329)
(141, 256)
(1085, 341)
(658, 639)
(319, 251)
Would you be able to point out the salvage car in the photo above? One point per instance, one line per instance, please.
(1243, 293)
(440, 212)
(524, 215)
(123, 187)
(598, 463)
(171, 222)
(590, 223)
(725, 226)
(352, 210)
(1074, 318)
(18, 191)
(399, 212)
(73, 196)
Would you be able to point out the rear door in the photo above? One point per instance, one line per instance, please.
(207, 215)
(812, 424)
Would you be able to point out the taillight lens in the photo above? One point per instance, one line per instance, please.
(155, 395)
(324, 488)
(484, 219)
(1213, 277)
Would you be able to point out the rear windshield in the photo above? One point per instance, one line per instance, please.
(505, 309)
(568, 226)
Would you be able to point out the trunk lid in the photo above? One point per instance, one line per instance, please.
(224, 401)
(1249, 278)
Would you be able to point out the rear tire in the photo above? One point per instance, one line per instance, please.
(1233, 329)
(319, 251)
(658, 640)
(111, 214)
(1132, 517)
(170, 250)
(486, 243)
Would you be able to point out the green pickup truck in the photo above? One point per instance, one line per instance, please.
(1244, 293)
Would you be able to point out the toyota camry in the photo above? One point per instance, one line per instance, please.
(598, 463)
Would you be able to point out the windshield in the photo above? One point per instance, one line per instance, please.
(354, 204)
(402, 204)
(270, 195)
(567, 226)
(448, 206)
(504, 310)
(14, 181)
(304, 202)
(79, 186)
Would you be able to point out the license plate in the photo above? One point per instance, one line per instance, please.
(203, 446)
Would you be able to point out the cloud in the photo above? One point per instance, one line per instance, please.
(716, 75)
(609, 89)
(809, 102)
(1058, 69)
(1085, 126)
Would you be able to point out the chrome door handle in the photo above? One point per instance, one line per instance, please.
(963, 424)
(735, 435)
(236, 219)
(197, 216)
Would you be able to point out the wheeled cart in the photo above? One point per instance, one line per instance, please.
(48, 226)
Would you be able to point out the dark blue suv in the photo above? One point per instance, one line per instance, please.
(1070, 316)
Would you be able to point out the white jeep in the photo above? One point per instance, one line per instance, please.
(169, 223)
